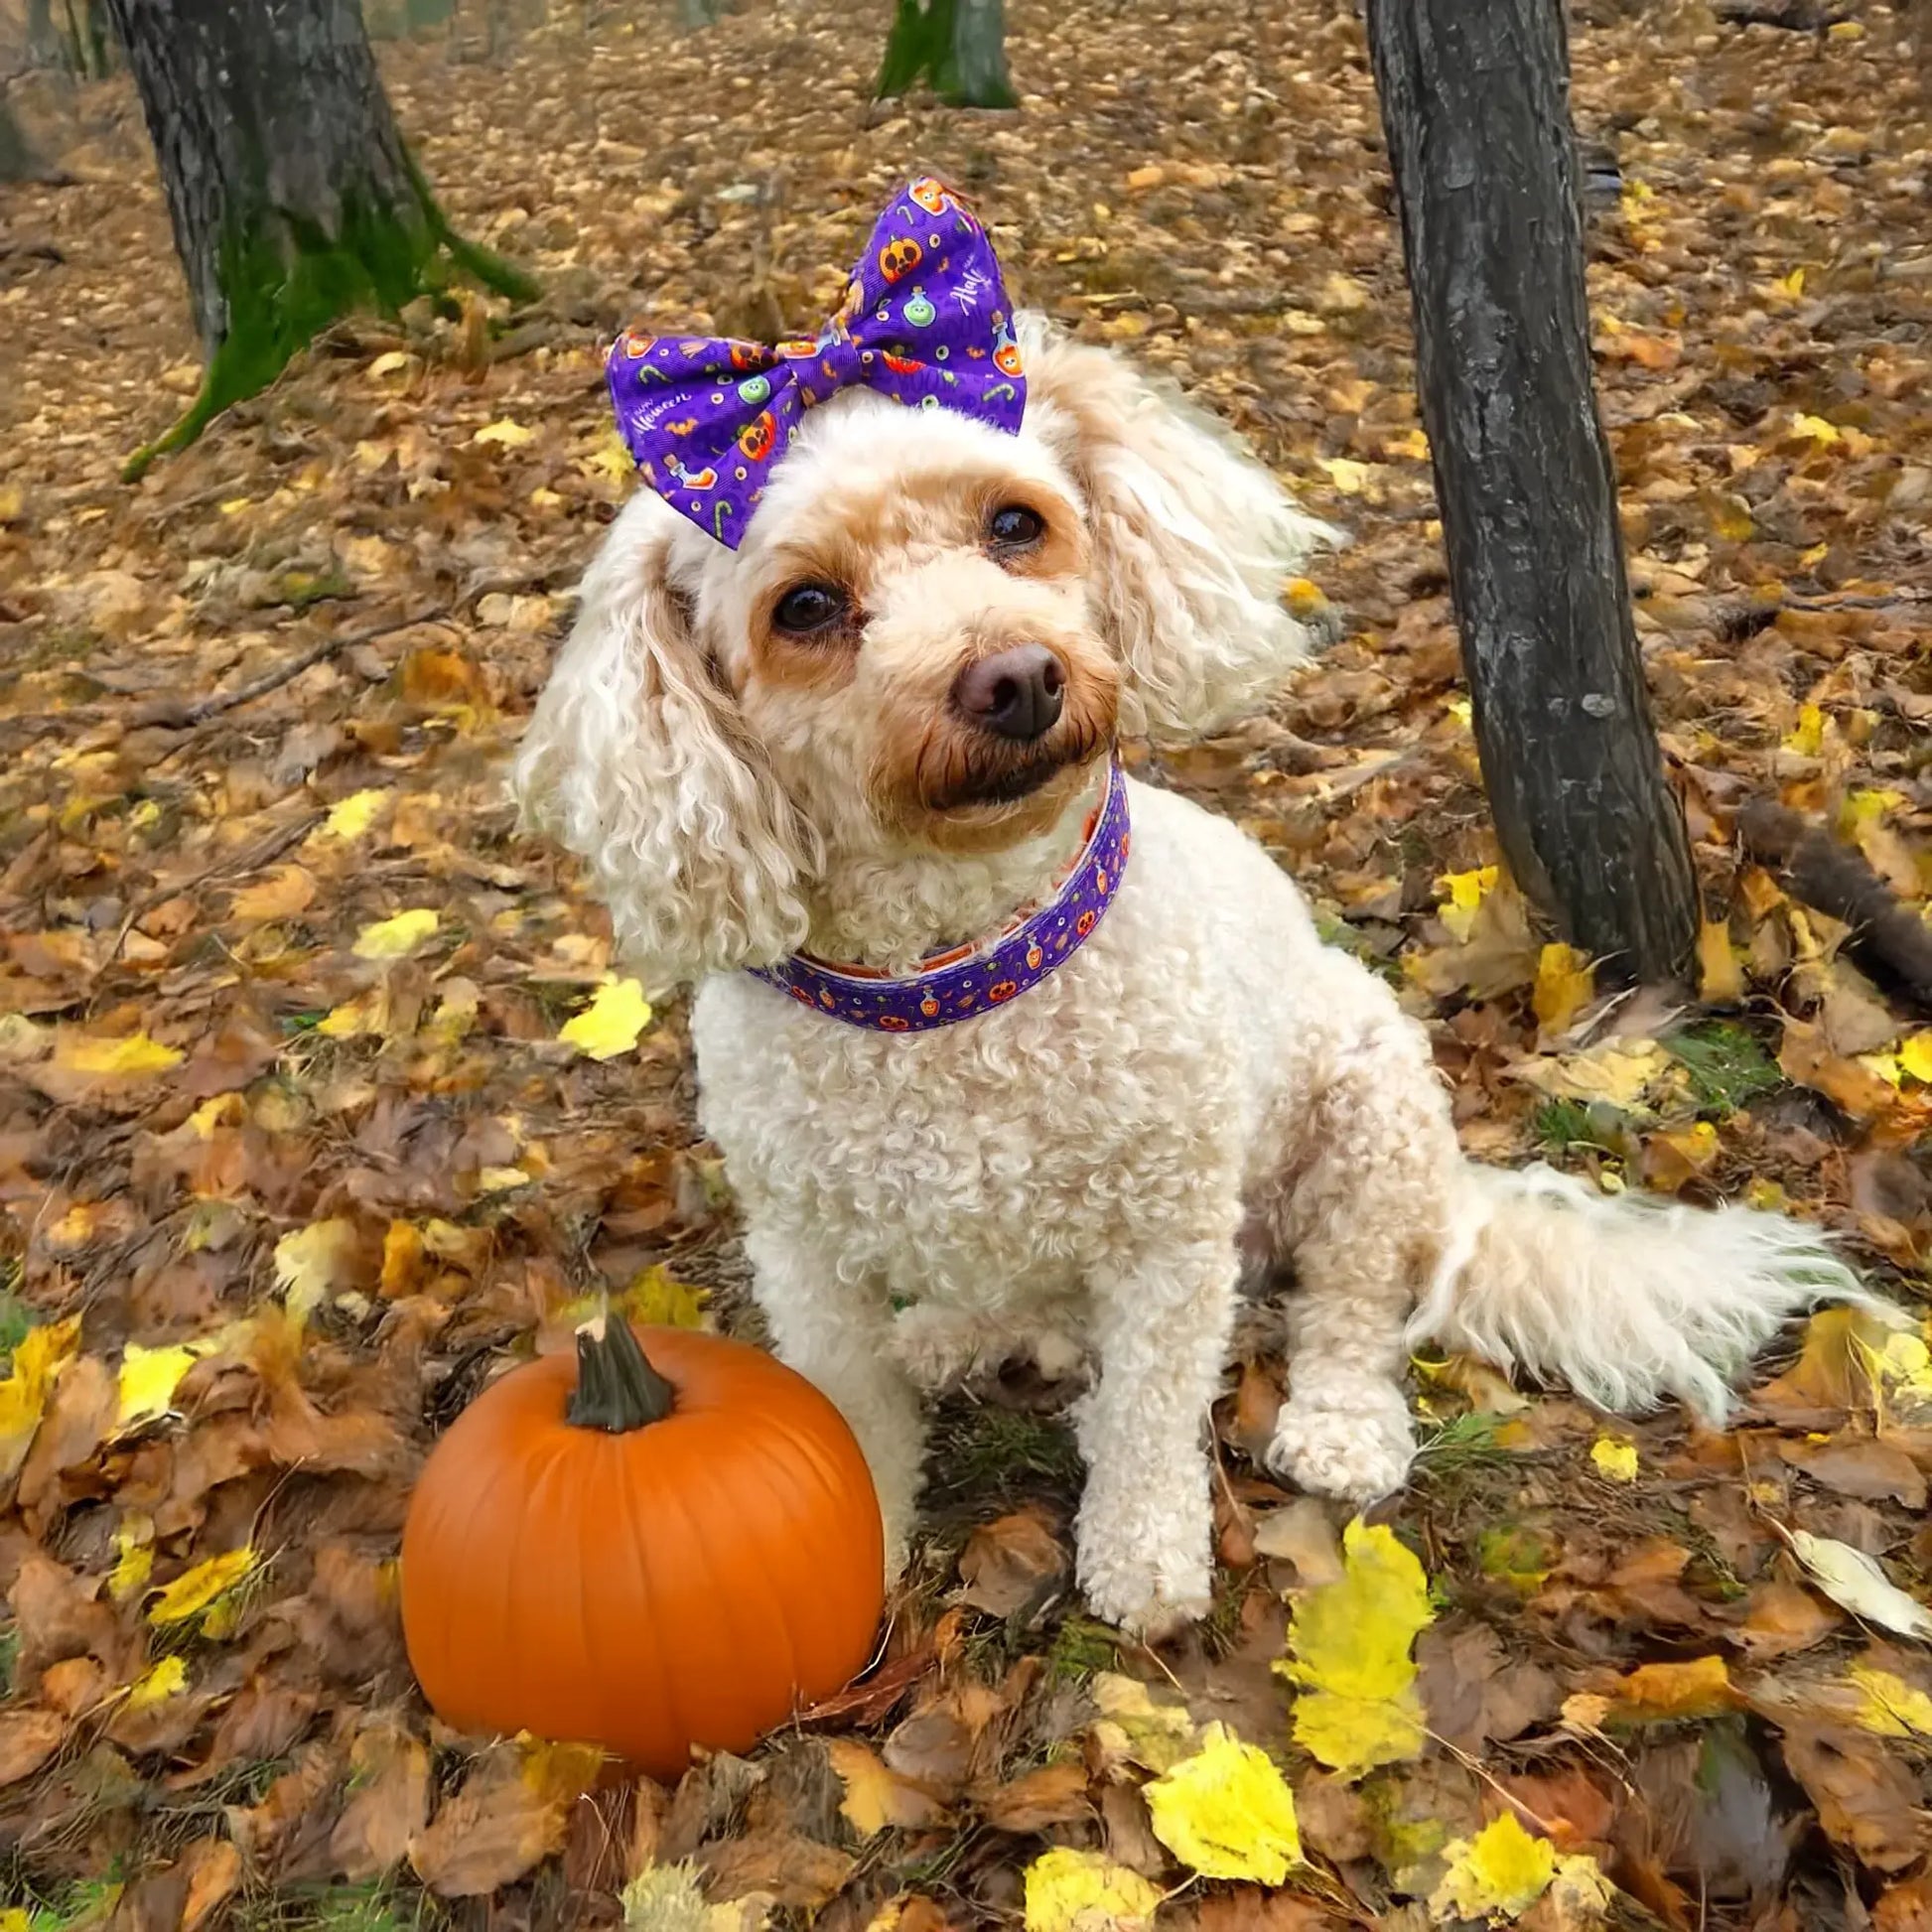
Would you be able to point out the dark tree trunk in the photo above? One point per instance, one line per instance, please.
(292, 195)
(1474, 105)
(959, 46)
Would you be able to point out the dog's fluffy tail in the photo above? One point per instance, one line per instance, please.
(1626, 1299)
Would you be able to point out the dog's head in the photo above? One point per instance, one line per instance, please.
(928, 636)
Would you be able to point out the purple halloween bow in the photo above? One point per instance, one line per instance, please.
(925, 320)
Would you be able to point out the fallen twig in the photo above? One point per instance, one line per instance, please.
(262, 853)
(173, 715)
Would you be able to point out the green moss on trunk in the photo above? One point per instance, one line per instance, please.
(287, 280)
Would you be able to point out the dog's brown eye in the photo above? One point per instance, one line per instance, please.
(1014, 526)
(810, 606)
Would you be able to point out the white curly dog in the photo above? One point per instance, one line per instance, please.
(881, 728)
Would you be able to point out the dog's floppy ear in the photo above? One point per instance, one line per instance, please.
(636, 760)
(1192, 537)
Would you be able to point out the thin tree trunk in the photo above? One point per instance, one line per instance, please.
(292, 195)
(1474, 105)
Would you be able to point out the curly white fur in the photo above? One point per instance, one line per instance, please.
(1072, 1172)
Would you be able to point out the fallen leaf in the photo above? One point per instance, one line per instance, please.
(1350, 1645)
(1565, 984)
(875, 1796)
(398, 937)
(39, 1358)
(1855, 1581)
(1302, 1534)
(1889, 1705)
(148, 1380)
(1055, 1794)
(492, 1832)
(165, 1678)
(505, 434)
(1012, 1564)
(132, 1057)
(28, 1739)
(1866, 1801)
(1497, 1875)
(388, 1802)
(1616, 1460)
(287, 891)
(195, 1591)
(1156, 1735)
(348, 818)
(313, 1263)
(213, 1870)
(1067, 1891)
(1226, 1811)
(610, 1024)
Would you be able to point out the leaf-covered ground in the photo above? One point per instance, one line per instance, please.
(298, 1148)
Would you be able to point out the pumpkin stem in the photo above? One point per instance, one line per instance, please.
(616, 1390)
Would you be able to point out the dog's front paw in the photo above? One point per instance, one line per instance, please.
(1148, 1592)
(1355, 1443)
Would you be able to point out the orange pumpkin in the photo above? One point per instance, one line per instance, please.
(644, 1552)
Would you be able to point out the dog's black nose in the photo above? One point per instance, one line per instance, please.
(1018, 693)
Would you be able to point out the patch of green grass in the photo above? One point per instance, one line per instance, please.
(1082, 1649)
(14, 1323)
(1727, 1066)
(61, 1908)
(983, 1451)
(373, 1907)
(1559, 1125)
(1461, 1442)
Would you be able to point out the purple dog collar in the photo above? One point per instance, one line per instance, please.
(965, 981)
(925, 321)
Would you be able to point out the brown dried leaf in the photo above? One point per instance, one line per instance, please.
(28, 1739)
(1012, 1566)
(492, 1831)
(1867, 1800)
(388, 1803)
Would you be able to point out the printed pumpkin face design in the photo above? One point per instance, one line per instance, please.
(932, 195)
(899, 257)
(756, 438)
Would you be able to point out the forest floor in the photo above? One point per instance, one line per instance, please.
(294, 1158)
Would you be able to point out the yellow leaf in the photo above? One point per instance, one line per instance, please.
(1157, 1736)
(1915, 1056)
(1720, 973)
(1497, 1875)
(14, 1919)
(1463, 711)
(1794, 283)
(355, 1018)
(351, 817)
(40, 1357)
(505, 434)
(1226, 1811)
(1304, 599)
(1617, 1461)
(167, 1679)
(1461, 894)
(658, 1301)
(403, 1258)
(133, 1556)
(1565, 982)
(131, 1057)
(610, 1024)
(1621, 1071)
(1815, 427)
(396, 938)
(1889, 1706)
(148, 1378)
(875, 1796)
(1347, 476)
(195, 1591)
(499, 1181)
(389, 361)
(1084, 1891)
(313, 1262)
(1350, 1645)
(1807, 737)
(1846, 30)
(1415, 446)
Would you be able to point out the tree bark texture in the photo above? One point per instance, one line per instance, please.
(1474, 107)
(292, 195)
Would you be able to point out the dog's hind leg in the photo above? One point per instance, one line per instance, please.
(1362, 1216)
